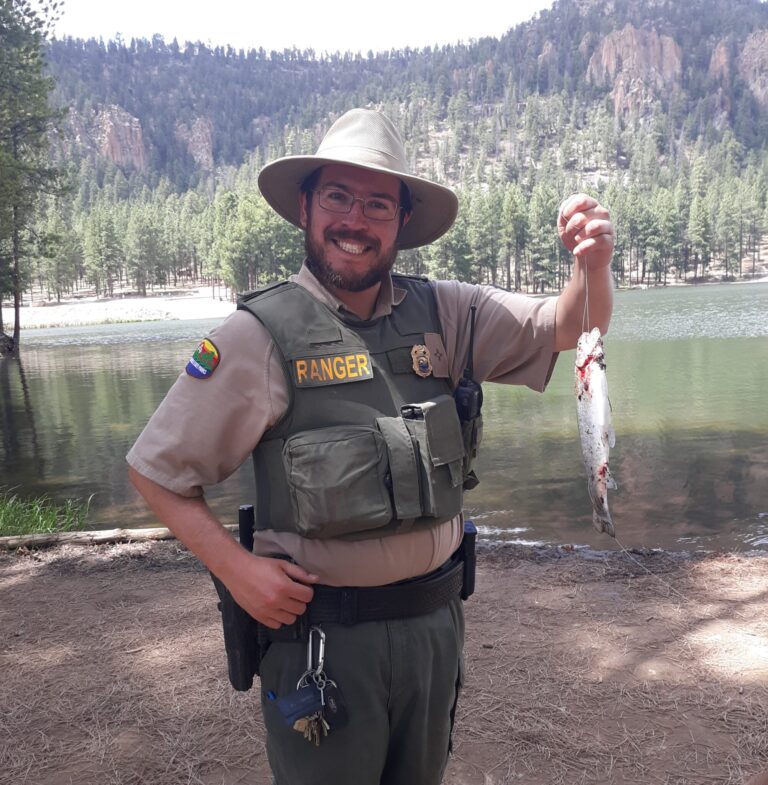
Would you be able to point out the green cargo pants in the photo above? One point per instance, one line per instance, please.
(400, 681)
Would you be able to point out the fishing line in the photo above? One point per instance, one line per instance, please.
(585, 315)
(653, 574)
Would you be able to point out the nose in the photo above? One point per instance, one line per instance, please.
(356, 215)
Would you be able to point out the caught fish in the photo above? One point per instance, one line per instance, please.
(594, 414)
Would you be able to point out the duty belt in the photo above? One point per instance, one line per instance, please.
(351, 605)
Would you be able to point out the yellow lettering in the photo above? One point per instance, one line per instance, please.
(338, 368)
(301, 371)
(351, 368)
(362, 365)
(314, 373)
(327, 368)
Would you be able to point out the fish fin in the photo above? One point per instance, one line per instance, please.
(603, 523)
(610, 483)
(611, 437)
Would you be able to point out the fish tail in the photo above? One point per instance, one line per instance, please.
(603, 523)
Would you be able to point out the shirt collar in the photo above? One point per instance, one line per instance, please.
(389, 294)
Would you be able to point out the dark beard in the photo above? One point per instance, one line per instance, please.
(319, 267)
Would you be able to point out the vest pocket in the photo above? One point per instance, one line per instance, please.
(337, 480)
(426, 454)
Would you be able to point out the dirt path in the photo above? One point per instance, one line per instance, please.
(582, 668)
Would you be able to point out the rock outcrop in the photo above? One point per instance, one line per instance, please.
(720, 64)
(640, 65)
(753, 65)
(199, 141)
(119, 138)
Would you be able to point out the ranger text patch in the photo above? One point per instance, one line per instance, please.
(332, 369)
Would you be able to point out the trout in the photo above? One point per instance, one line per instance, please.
(594, 414)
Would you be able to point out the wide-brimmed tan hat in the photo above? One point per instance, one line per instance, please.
(369, 140)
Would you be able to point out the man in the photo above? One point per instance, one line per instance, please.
(341, 386)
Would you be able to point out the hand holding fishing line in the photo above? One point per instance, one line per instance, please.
(585, 229)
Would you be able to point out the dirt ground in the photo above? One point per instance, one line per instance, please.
(582, 667)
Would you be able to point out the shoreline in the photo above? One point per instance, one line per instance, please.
(183, 304)
(197, 303)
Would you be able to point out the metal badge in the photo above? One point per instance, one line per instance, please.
(422, 364)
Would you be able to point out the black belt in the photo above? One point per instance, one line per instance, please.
(351, 605)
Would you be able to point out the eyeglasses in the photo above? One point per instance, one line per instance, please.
(377, 208)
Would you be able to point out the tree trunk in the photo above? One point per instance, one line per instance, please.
(16, 283)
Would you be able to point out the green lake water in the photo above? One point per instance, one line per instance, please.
(688, 379)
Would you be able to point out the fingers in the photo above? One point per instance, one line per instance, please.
(298, 573)
(585, 228)
(574, 204)
(592, 246)
(273, 591)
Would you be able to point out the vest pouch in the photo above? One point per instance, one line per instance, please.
(436, 431)
(472, 434)
(337, 480)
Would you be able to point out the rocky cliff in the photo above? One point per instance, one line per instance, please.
(198, 139)
(111, 133)
(641, 65)
(119, 138)
(753, 65)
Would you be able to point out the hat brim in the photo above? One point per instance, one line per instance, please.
(434, 207)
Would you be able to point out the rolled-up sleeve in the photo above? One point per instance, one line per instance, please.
(514, 339)
(204, 429)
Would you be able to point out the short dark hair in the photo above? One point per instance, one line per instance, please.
(311, 180)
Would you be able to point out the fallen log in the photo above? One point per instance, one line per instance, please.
(89, 537)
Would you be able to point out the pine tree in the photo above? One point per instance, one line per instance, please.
(25, 119)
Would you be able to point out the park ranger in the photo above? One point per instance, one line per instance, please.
(352, 389)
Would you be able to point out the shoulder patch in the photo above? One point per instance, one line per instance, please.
(204, 361)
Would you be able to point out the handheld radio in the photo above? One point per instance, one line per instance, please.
(468, 394)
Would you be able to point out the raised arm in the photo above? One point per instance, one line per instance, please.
(585, 228)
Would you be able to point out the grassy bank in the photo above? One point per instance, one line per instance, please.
(39, 516)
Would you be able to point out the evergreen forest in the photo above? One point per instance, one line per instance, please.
(658, 108)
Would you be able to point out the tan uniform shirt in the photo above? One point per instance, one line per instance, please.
(206, 428)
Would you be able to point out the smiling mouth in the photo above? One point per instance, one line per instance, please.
(356, 249)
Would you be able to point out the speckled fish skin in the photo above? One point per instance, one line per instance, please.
(594, 415)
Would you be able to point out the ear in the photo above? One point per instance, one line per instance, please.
(303, 209)
(404, 218)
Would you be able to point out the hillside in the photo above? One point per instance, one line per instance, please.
(659, 108)
(689, 70)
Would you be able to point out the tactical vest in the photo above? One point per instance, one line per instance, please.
(371, 444)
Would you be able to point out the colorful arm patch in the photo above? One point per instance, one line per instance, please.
(204, 361)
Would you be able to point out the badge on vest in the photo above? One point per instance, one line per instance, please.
(204, 361)
(332, 369)
(422, 363)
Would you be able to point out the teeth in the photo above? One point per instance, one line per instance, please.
(354, 248)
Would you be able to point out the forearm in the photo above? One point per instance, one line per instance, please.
(593, 287)
(193, 523)
(272, 591)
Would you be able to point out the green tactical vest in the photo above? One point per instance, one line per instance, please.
(368, 446)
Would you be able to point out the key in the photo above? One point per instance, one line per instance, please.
(334, 708)
(316, 728)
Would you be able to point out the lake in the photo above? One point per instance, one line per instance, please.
(688, 377)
